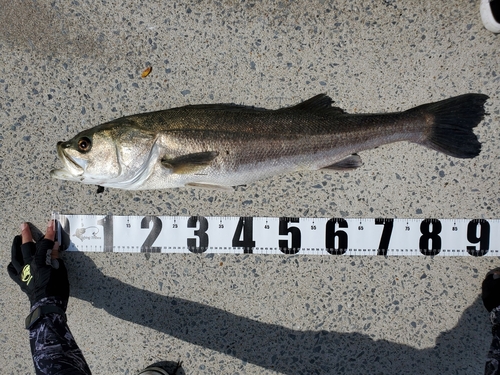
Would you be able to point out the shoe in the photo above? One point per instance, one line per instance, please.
(490, 14)
(163, 368)
(153, 371)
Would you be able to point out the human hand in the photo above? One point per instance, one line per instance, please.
(491, 289)
(35, 267)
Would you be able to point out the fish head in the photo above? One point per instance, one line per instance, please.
(89, 157)
(111, 155)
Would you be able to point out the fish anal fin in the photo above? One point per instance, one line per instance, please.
(201, 185)
(351, 162)
(189, 163)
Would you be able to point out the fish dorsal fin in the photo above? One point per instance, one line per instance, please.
(321, 102)
(189, 163)
(350, 162)
(318, 103)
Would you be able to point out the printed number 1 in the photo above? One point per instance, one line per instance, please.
(107, 225)
(64, 233)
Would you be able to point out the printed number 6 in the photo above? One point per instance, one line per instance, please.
(332, 234)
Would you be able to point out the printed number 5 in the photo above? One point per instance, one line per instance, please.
(296, 237)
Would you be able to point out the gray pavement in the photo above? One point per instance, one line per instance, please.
(67, 66)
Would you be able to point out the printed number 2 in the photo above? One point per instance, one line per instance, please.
(147, 246)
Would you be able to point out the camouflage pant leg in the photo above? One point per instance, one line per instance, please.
(54, 349)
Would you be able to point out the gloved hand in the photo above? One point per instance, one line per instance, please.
(491, 289)
(35, 267)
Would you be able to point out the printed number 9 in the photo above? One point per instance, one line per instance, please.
(483, 239)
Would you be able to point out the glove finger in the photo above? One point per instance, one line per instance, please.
(16, 254)
(42, 247)
(28, 250)
(55, 251)
(14, 275)
(51, 230)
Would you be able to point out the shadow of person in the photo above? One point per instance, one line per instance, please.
(461, 350)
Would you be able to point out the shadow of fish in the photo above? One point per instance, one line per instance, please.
(223, 145)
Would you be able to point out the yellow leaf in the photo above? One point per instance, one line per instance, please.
(146, 71)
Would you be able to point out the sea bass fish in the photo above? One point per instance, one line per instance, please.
(219, 146)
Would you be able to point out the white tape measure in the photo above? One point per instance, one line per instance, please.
(269, 235)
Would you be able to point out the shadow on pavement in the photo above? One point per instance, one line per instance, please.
(461, 350)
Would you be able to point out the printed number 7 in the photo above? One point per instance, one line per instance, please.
(386, 235)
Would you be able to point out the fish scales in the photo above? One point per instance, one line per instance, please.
(219, 146)
(299, 131)
(319, 141)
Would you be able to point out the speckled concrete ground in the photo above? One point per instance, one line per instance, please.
(68, 66)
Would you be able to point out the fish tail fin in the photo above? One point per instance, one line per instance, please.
(452, 123)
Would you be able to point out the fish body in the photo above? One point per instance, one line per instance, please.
(223, 145)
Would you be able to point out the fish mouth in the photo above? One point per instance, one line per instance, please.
(72, 169)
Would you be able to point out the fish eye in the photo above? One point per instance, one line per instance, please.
(84, 144)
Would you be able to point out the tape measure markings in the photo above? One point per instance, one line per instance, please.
(285, 235)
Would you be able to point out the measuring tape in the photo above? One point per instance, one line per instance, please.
(285, 235)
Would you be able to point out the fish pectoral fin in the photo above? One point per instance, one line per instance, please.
(189, 163)
(201, 185)
(351, 162)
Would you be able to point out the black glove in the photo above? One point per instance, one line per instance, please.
(491, 289)
(33, 269)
